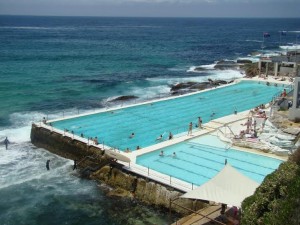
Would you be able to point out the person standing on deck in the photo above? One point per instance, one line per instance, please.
(190, 131)
(170, 135)
(199, 122)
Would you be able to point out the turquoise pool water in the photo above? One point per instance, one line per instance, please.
(148, 121)
(197, 161)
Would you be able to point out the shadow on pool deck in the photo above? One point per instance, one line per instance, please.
(212, 212)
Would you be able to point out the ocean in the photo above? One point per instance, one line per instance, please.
(56, 66)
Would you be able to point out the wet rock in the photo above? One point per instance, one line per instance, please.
(180, 86)
(187, 87)
(224, 65)
(244, 61)
(217, 82)
(199, 69)
(119, 192)
(124, 98)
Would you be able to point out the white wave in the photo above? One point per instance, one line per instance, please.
(253, 59)
(205, 67)
(212, 74)
(19, 131)
(152, 92)
(36, 28)
(254, 40)
(290, 47)
(177, 69)
(23, 164)
(16, 135)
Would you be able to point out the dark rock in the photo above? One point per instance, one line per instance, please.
(182, 86)
(124, 98)
(223, 65)
(201, 86)
(217, 82)
(199, 69)
(243, 61)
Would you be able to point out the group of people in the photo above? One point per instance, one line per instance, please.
(259, 111)
(163, 154)
(251, 129)
(159, 138)
(198, 125)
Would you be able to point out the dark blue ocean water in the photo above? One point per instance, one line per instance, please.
(52, 66)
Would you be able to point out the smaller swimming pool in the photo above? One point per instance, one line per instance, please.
(200, 159)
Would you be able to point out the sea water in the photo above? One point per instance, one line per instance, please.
(54, 66)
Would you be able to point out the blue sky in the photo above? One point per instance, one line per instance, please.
(153, 8)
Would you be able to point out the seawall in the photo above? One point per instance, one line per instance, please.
(95, 165)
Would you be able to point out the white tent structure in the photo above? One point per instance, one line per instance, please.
(229, 187)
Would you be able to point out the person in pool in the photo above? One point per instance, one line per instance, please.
(159, 138)
(161, 153)
(131, 135)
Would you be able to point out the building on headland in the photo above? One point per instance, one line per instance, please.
(285, 65)
(281, 65)
(294, 110)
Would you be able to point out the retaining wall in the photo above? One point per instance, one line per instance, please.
(111, 173)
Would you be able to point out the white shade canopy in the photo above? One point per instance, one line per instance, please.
(229, 186)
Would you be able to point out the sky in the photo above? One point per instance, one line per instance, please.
(153, 8)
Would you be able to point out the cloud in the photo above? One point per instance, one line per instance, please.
(158, 8)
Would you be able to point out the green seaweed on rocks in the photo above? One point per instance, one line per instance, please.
(277, 199)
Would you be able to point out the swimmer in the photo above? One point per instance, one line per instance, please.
(159, 138)
(174, 155)
(131, 135)
(161, 153)
(138, 147)
(212, 115)
(127, 150)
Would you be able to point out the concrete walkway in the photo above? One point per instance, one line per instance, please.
(196, 219)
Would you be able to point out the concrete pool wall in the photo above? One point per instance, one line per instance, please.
(95, 165)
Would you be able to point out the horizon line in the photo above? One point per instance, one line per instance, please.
(161, 17)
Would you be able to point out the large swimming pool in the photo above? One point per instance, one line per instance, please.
(200, 159)
(148, 121)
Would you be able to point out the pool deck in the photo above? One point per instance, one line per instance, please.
(214, 127)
